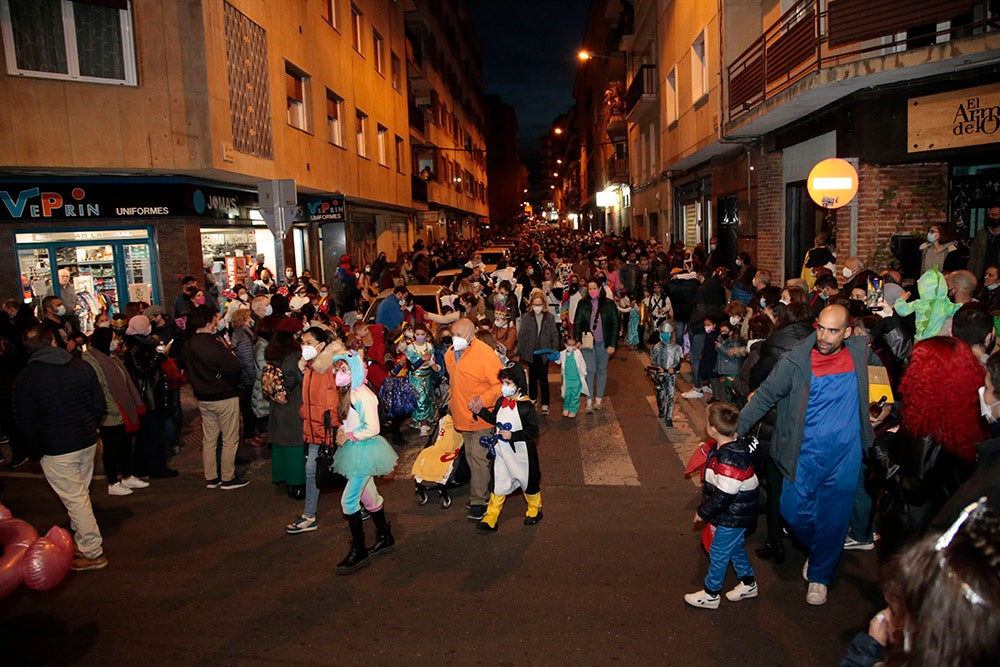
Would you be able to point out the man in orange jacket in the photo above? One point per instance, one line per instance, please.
(472, 369)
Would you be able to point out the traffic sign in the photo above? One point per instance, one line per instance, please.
(833, 183)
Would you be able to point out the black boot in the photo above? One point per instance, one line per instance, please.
(772, 551)
(383, 534)
(358, 555)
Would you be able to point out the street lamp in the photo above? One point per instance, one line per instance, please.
(557, 130)
(583, 56)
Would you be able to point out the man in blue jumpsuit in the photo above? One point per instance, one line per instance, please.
(820, 388)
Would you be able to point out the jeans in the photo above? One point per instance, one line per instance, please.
(597, 369)
(697, 344)
(479, 466)
(312, 491)
(862, 529)
(220, 417)
(69, 476)
(360, 491)
(727, 546)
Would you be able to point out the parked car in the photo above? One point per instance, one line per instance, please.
(427, 297)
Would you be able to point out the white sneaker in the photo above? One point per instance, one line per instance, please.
(702, 599)
(119, 489)
(816, 594)
(742, 592)
(590, 406)
(805, 571)
(597, 404)
(850, 544)
(133, 482)
(694, 393)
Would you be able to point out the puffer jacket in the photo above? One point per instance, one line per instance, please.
(320, 397)
(144, 365)
(731, 492)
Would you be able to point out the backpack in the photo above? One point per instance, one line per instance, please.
(272, 384)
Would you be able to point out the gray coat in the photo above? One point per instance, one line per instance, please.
(530, 338)
(787, 387)
(284, 425)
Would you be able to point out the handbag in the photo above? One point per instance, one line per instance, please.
(587, 341)
(326, 478)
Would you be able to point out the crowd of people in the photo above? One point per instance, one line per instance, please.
(852, 409)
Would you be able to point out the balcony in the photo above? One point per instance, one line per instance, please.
(817, 34)
(618, 169)
(641, 96)
(419, 187)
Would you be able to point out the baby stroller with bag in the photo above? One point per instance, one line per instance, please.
(442, 465)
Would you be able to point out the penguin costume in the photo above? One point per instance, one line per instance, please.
(514, 459)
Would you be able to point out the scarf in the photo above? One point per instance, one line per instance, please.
(121, 386)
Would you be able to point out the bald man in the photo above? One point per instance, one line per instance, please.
(820, 389)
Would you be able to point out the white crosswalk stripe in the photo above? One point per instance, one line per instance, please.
(603, 452)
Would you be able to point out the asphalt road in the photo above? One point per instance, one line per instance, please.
(201, 576)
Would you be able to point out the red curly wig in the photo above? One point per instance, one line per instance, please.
(940, 394)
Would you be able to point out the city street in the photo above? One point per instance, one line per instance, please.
(201, 576)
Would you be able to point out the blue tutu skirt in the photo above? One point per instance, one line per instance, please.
(364, 458)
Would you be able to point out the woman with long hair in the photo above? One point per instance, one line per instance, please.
(596, 326)
(284, 426)
(536, 331)
(361, 454)
(743, 288)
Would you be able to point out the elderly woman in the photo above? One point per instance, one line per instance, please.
(536, 332)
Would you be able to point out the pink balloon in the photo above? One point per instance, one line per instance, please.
(5, 513)
(15, 536)
(46, 563)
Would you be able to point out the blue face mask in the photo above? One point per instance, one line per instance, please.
(665, 337)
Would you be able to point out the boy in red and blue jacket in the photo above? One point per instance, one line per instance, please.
(730, 498)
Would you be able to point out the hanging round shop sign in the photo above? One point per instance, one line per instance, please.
(833, 183)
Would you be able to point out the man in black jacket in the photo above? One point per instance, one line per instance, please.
(214, 373)
(58, 402)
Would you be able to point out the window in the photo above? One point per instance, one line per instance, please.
(356, 28)
(360, 120)
(334, 110)
(69, 40)
(399, 154)
(378, 52)
(383, 148)
(671, 89)
(699, 68)
(296, 86)
(328, 10)
(396, 71)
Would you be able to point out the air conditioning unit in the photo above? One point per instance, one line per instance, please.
(423, 101)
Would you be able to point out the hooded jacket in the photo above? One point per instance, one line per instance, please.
(58, 403)
(320, 396)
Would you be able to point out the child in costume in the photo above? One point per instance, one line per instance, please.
(514, 454)
(666, 359)
(361, 454)
(729, 502)
(630, 318)
(420, 355)
(574, 377)
(727, 366)
(932, 309)
(505, 332)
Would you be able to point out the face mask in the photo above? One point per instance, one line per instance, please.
(342, 378)
(508, 390)
(787, 303)
(250, 324)
(104, 325)
(739, 262)
(243, 298)
(531, 272)
(931, 237)
(460, 344)
(593, 293)
(847, 273)
(114, 346)
(60, 311)
(200, 300)
(309, 352)
(289, 274)
(986, 409)
(446, 340)
(824, 296)
(537, 309)
(408, 334)
(323, 295)
(420, 338)
(709, 328)
(734, 320)
(501, 324)
(222, 325)
(992, 287)
(665, 337)
(268, 311)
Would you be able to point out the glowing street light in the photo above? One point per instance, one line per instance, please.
(557, 130)
(556, 174)
(558, 160)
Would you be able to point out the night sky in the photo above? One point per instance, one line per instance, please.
(529, 58)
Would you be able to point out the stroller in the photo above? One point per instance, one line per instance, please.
(442, 465)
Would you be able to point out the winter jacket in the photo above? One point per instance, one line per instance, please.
(726, 364)
(243, 345)
(531, 338)
(775, 347)
(787, 387)
(985, 481)
(978, 261)
(709, 299)
(320, 397)
(261, 406)
(58, 403)
(731, 491)
(284, 424)
(474, 374)
(212, 369)
(609, 319)
(681, 289)
(143, 363)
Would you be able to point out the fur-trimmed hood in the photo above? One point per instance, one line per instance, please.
(324, 360)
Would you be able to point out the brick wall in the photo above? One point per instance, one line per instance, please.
(767, 206)
(179, 246)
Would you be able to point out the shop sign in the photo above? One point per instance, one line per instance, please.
(26, 201)
(327, 208)
(235, 270)
(968, 117)
(832, 183)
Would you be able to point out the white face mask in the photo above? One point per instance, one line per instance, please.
(734, 320)
(309, 352)
(508, 390)
(114, 346)
(459, 344)
(986, 409)
(847, 273)
(537, 309)
(268, 311)
(992, 287)
(221, 326)
(61, 310)
(931, 237)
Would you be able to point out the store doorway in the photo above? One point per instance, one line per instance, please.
(803, 221)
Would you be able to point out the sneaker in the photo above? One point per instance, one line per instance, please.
(476, 512)
(213, 483)
(545, 409)
(17, 462)
(694, 393)
(302, 524)
(590, 406)
(742, 592)
(119, 489)
(702, 599)
(133, 482)
(816, 594)
(83, 563)
(805, 570)
(234, 483)
(597, 404)
(850, 544)
(668, 422)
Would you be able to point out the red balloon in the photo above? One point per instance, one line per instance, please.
(15, 536)
(5, 513)
(46, 562)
